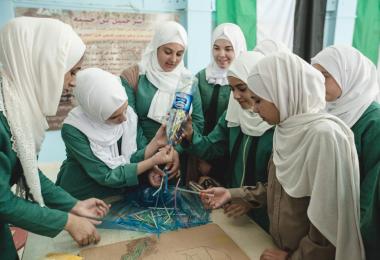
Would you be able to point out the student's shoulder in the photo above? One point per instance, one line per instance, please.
(372, 115)
(329, 129)
(201, 73)
(69, 132)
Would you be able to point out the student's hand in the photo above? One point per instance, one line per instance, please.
(91, 208)
(82, 230)
(215, 197)
(274, 254)
(173, 167)
(155, 176)
(160, 139)
(164, 155)
(204, 167)
(186, 131)
(237, 208)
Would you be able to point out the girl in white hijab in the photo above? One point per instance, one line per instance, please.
(249, 143)
(96, 166)
(351, 91)
(356, 81)
(39, 57)
(230, 38)
(314, 153)
(227, 43)
(152, 93)
(315, 169)
(165, 75)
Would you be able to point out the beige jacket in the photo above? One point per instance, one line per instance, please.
(290, 227)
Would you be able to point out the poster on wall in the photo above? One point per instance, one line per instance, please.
(114, 41)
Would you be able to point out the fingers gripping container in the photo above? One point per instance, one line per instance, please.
(181, 107)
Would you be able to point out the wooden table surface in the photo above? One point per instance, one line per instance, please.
(246, 234)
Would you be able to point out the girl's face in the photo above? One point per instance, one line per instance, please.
(70, 76)
(241, 92)
(119, 115)
(170, 55)
(267, 110)
(223, 53)
(333, 90)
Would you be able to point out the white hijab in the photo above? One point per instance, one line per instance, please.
(357, 77)
(35, 54)
(165, 82)
(250, 122)
(230, 32)
(269, 46)
(100, 94)
(314, 152)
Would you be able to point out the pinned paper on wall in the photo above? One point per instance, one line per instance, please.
(114, 40)
(208, 242)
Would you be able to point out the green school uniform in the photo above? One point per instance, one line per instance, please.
(249, 156)
(46, 221)
(141, 100)
(84, 175)
(214, 102)
(367, 138)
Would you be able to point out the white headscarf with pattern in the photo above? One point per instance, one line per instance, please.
(35, 54)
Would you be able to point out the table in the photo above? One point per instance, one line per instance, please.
(246, 234)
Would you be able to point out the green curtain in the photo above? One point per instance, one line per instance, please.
(367, 28)
(242, 13)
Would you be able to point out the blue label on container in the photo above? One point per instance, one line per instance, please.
(182, 101)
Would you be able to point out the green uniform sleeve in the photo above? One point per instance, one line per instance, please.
(78, 146)
(26, 214)
(142, 142)
(197, 114)
(130, 93)
(367, 134)
(214, 144)
(54, 196)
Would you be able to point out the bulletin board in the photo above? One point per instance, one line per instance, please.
(114, 41)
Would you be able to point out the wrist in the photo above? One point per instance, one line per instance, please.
(68, 222)
(153, 160)
(74, 209)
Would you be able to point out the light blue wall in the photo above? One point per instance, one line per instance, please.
(345, 22)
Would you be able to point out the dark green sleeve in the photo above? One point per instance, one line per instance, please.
(214, 144)
(370, 212)
(78, 146)
(197, 114)
(54, 196)
(23, 213)
(369, 159)
(142, 142)
(130, 93)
